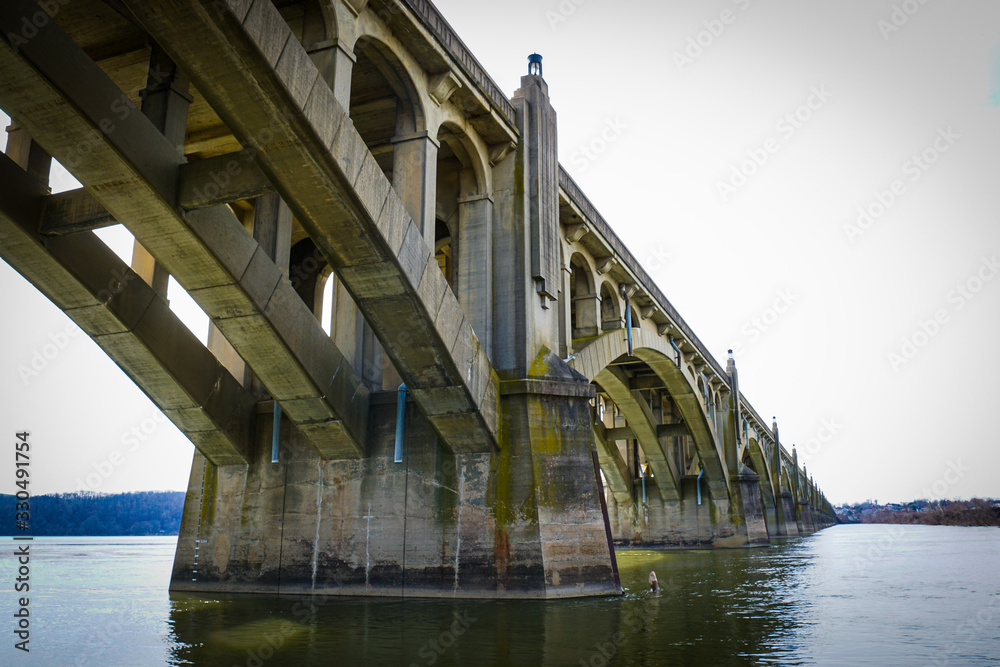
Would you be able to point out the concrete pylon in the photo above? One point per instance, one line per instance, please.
(746, 506)
(523, 522)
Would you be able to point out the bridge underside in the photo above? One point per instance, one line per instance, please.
(254, 153)
(658, 491)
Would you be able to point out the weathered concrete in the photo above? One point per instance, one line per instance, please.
(258, 77)
(110, 303)
(524, 522)
(131, 168)
(279, 150)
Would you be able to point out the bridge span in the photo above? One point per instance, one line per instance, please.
(504, 393)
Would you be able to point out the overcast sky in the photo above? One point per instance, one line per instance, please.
(812, 184)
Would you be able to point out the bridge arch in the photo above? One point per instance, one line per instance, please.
(650, 348)
(385, 102)
(311, 21)
(611, 317)
(457, 144)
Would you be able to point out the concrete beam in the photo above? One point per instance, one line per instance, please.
(662, 431)
(633, 407)
(244, 59)
(123, 315)
(73, 211)
(219, 180)
(73, 110)
(612, 465)
(201, 184)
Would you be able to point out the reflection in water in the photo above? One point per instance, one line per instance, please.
(710, 604)
(848, 595)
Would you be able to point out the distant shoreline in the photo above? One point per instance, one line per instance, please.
(87, 514)
(947, 516)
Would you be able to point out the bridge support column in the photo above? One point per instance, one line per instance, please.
(335, 63)
(749, 509)
(523, 522)
(787, 525)
(28, 155)
(414, 178)
(685, 523)
(770, 514)
(807, 519)
(546, 495)
(165, 102)
(474, 287)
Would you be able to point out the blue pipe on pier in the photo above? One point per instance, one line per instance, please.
(400, 419)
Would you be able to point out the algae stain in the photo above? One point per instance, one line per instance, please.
(539, 367)
(208, 495)
(250, 635)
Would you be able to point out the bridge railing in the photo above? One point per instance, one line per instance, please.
(452, 43)
(628, 260)
(625, 257)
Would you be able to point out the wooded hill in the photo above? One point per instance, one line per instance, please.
(86, 513)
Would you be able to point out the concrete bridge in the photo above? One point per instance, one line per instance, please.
(555, 403)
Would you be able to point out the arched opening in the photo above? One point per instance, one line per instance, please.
(610, 313)
(642, 428)
(583, 302)
(307, 269)
(325, 291)
(463, 234)
(385, 109)
(685, 421)
(309, 21)
(384, 105)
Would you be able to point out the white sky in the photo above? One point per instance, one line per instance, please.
(780, 242)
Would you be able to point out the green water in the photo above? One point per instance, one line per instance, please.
(872, 595)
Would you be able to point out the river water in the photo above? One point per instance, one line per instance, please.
(848, 595)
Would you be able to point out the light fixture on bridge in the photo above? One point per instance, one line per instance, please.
(730, 354)
(534, 65)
